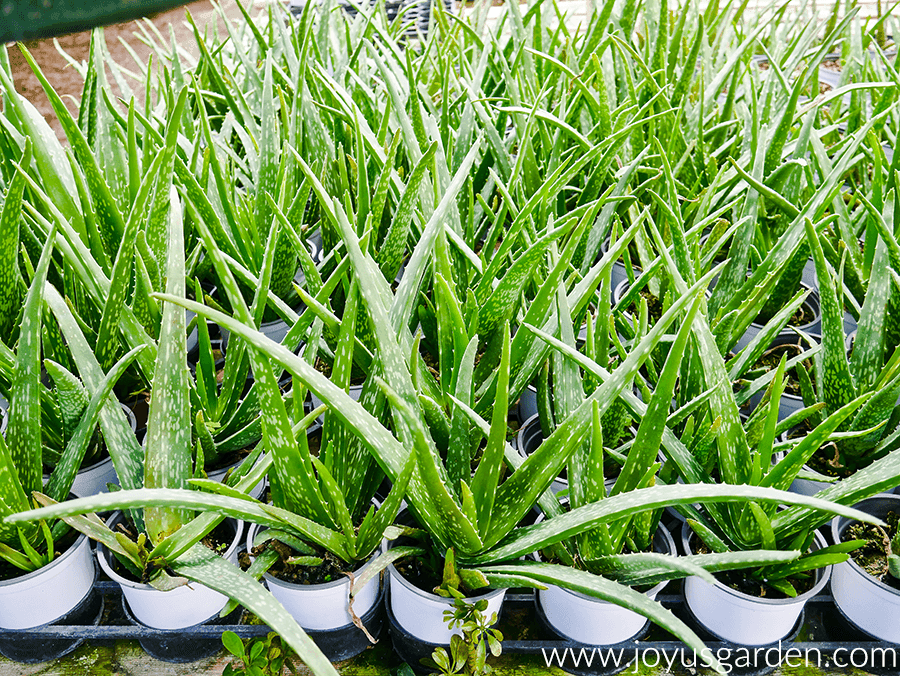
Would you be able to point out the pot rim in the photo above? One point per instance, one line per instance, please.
(44, 569)
(104, 554)
(840, 523)
(521, 441)
(271, 579)
(621, 288)
(817, 309)
(823, 574)
(395, 575)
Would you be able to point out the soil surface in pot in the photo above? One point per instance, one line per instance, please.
(826, 460)
(422, 576)
(426, 573)
(60, 547)
(331, 568)
(771, 358)
(654, 306)
(873, 556)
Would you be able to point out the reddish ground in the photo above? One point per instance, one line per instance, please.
(66, 80)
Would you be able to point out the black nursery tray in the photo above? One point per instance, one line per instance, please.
(823, 637)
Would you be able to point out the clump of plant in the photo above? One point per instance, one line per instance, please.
(745, 457)
(468, 652)
(30, 546)
(894, 556)
(872, 368)
(259, 656)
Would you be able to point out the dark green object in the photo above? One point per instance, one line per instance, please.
(28, 19)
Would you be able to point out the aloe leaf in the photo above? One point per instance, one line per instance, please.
(371, 531)
(120, 278)
(111, 222)
(12, 497)
(267, 169)
(91, 275)
(397, 372)
(498, 306)
(389, 452)
(92, 526)
(837, 383)
(868, 347)
(537, 314)
(9, 248)
(258, 567)
(530, 538)
(168, 442)
(649, 574)
(487, 475)
(390, 255)
(203, 566)
(24, 435)
(734, 453)
(585, 478)
(605, 590)
(452, 525)
(50, 161)
(220, 505)
(156, 229)
(70, 396)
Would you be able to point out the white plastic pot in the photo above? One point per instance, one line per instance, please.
(743, 619)
(421, 613)
(808, 486)
(321, 606)
(592, 621)
(870, 604)
(219, 475)
(182, 607)
(49, 593)
(93, 480)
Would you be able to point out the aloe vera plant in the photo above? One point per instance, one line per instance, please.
(501, 541)
(840, 378)
(167, 535)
